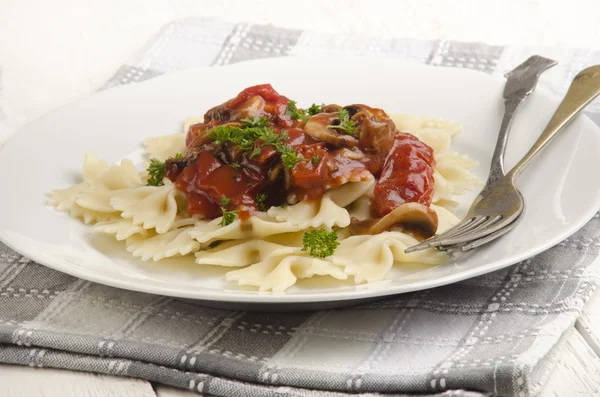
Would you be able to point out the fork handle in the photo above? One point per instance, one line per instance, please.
(584, 88)
(497, 166)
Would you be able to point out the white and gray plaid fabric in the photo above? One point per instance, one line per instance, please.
(491, 335)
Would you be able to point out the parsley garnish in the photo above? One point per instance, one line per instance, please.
(345, 123)
(246, 136)
(228, 217)
(314, 109)
(256, 122)
(237, 166)
(260, 201)
(320, 243)
(255, 152)
(178, 156)
(269, 137)
(289, 157)
(295, 113)
(315, 160)
(156, 172)
(225, 201)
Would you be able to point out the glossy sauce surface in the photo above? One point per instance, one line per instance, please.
(329, 157)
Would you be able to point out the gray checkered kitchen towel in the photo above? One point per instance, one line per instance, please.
(492, 335)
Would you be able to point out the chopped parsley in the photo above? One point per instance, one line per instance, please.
(225, 201)
(270, 138)
(178, 156)
(251, 131)
(256, 122)
(315, 160)
(295, 113)
(314, 109)
(156, 172)
(289, 157)
(255, 152)
(228, 217)
(260, 201)
(237, 166)
(345, 123)
(320, 243)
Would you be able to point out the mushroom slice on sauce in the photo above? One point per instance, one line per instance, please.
(316, 127)
(411, 216)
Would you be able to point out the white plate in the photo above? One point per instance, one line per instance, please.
(561, 193)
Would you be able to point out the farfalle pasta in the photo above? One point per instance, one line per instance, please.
(278, 193)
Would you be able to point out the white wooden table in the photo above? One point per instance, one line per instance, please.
(52, 53)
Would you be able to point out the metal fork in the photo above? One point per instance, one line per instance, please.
(520, 83)
(500, 203)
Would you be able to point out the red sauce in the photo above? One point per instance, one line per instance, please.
(403, 164)
(407, 175)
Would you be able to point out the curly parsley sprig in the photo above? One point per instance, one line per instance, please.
(251, 131)
(260, 201)
(345, 124)
(315, 109)
(228, 217)
(295, 113)
(156, 172)
(320, 243)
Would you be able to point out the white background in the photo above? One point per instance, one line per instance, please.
(53, 52)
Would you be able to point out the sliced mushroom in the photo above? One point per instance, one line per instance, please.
(411, 216)
(331, 108)
(376, 136)
(253, 107)
(358, 112)
(274, 172)
(317, 125)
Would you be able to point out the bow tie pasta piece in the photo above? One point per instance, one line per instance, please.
(446, 219)
(242, 253)
(279, 272)
(327, 212)
(451, 176)
(417, 124)
(121, 228)
(165, 245)
(90, 216)
(163, 147)
(64, 199)
(205, 232)
(149, 206)
(97, 195)
(370, 258)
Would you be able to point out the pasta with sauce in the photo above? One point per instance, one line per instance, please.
(279, 193)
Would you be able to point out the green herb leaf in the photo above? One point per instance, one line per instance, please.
(315, 160)
(256, 122)
(289, 157)
(260, 201)
(269, 137)
(314, 109)
(228, 217)
(345, 124)
(237, 166)
(225, 201)
(255, 152)
(156, 172)
(295, 113)
(320, 243)
(178, 156)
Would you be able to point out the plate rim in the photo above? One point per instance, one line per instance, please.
(275, 298)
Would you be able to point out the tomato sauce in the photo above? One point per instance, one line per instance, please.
(326, 155)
